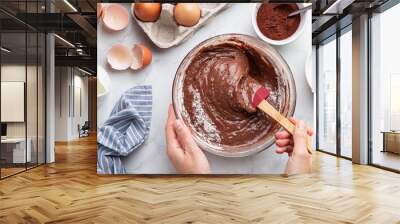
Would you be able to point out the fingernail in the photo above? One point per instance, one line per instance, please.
(301, 125)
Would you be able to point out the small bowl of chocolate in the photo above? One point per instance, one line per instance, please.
(273, 25)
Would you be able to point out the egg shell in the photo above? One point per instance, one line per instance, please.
(115, 17)
(119, 57)
(99, 11)
(142, 56)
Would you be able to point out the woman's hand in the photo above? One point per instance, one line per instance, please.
(182, 150)
(300, 160)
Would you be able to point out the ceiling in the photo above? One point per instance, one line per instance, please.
(329, 16)
(74, 22)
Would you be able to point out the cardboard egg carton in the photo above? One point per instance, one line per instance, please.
(165, 32)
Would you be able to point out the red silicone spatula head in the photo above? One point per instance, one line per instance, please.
(261, 94)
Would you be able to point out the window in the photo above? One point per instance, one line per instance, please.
(394, 116)
(327, 97)
(346, 75)
(385, 89)
(335, 74)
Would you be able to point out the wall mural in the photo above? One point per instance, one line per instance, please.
(208, 88)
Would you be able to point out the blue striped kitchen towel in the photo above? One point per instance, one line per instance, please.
(125, 130)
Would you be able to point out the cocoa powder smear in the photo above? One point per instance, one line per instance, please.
(273, 20)
(218, 87)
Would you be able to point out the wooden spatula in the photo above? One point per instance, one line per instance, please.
(259, 101)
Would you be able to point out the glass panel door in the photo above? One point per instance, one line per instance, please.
(31, 98)
(41, 79)
(22, 78)
(13, 94)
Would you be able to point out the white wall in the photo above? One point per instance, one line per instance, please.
(61, 103)
(67, 114)
(17, 73)
(80, 83)
(33, 126)
(12, 73)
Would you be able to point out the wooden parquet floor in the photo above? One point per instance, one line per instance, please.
(10, 171)
(70, 191)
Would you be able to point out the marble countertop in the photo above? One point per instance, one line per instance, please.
(152, 158)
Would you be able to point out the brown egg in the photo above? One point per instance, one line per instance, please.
(187, 14)
(147, 12)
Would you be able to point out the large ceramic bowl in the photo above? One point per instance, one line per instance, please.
(282, 70)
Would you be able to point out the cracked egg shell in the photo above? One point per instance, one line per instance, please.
(99, 10)
(115, 17)
(142, 56)
(119, 57)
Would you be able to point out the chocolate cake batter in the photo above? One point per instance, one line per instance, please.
(273, 20)
(218, 88)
